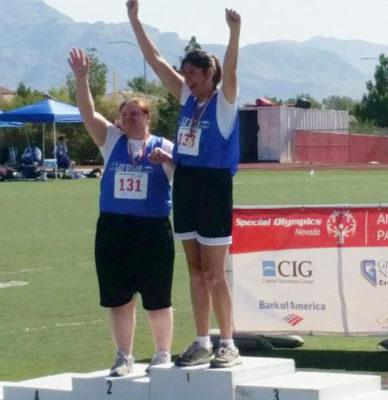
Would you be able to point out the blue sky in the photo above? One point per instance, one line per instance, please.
(263, 20)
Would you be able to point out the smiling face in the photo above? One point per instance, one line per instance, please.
(135, 119)
(198, 80)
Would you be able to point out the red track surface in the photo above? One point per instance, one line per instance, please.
(308, 166)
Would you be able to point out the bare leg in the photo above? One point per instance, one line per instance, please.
(200, 296)
(161, 323)
(213, 260)
(123, 322)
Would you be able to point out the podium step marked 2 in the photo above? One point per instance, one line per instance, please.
(255, 379)
(98, 386)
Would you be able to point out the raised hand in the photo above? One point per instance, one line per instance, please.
(79, 63)
(132, 9)
(233, 19)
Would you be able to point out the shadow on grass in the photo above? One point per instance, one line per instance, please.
(329, 359)
(324, 359)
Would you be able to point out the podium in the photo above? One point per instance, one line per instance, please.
(257, 378)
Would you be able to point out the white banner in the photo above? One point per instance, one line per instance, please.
(310, 270)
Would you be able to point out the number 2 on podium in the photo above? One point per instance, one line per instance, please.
(109, 385)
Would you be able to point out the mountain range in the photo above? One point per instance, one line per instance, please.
(36, 39)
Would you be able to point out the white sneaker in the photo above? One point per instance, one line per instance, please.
(226, 356)
(123, 364)
(161, 357)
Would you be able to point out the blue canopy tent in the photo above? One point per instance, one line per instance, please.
(11, 150)
(47, 110)
(10, 124)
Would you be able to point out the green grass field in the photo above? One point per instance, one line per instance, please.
(54, 324)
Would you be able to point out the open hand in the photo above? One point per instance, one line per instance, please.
(79, 62)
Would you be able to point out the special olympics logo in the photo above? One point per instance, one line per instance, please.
(341, 225)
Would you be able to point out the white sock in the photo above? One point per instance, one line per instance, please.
(228, 342)
(204, 341)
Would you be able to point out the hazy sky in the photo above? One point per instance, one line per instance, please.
(263, 20)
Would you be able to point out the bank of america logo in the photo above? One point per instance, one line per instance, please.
(269, 268)
(293, 319)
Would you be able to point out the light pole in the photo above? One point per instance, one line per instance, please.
(144, 60)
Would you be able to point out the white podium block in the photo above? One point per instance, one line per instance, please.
(1, 388)
(309, 386)
(54, 387)
(204, 383)
(99, 386)
(381, 395)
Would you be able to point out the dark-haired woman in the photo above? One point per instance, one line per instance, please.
(134, 248)
(206, 154)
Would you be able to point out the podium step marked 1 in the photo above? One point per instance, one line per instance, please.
(255, 379)
(199, 383)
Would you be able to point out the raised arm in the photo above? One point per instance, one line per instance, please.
(229, 80)
(170, 78)
(96, 125)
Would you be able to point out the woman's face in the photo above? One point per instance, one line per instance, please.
(133, 120)
(199, 82)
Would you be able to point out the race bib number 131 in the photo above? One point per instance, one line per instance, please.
(131, 185)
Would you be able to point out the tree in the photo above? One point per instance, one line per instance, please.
(25, 95)
(97, 78)
(168, 116)
(374, 104)
(60, 94)
(304, 96)
(138, 84)
(340, 103)
(192, 45)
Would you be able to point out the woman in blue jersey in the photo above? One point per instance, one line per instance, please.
(134, 247)
(206, 155)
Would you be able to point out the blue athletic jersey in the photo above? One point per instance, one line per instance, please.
(157, 201)
(214, 150)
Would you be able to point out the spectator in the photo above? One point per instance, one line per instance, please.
(62, 154)
(32, 155)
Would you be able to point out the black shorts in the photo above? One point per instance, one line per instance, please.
(203, 201)
(134, 254)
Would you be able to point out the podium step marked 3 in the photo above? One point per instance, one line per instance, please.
(310, 386)
(255, 379)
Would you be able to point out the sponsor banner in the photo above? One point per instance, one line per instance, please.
(333, 281)
(300, 228)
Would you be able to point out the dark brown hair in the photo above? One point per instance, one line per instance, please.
(205, 61)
